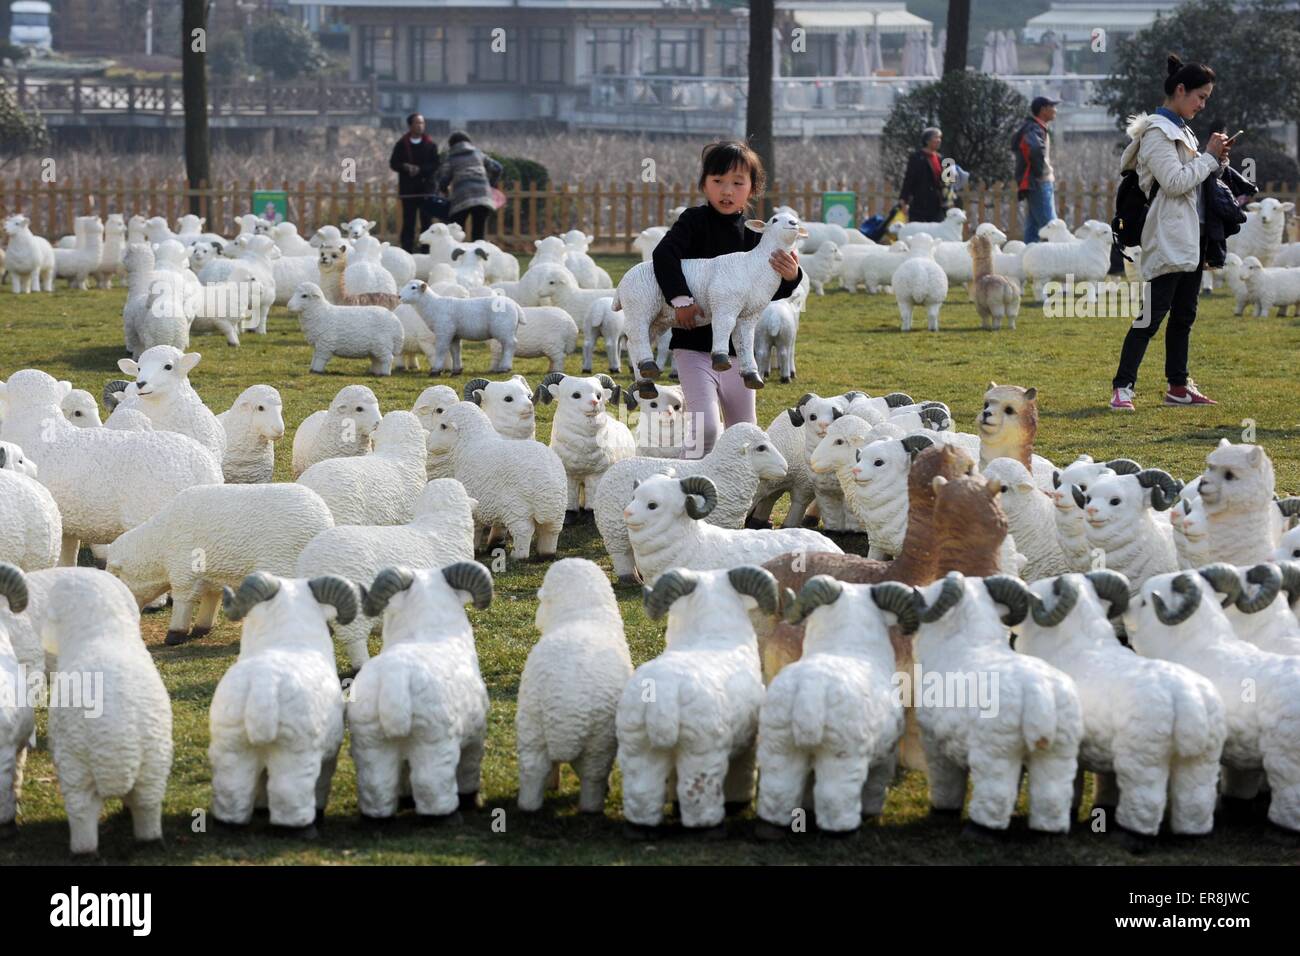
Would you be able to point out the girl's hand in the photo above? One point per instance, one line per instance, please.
(685, 315)
(1218, 145)
(785, 263)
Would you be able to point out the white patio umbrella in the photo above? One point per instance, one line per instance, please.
(1001, 60)
(907, 65)
(932, 58)
(842, 65)
(941, 49)
(989, 62)
(860, 65)
(1058, 57)
(1013, 54)
(875, 59)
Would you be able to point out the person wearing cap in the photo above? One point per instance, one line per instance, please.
(1035, 181)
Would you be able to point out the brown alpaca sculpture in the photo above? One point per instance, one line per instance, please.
(333, 260)
(966, 542)
(1008, 424)
(996, 296)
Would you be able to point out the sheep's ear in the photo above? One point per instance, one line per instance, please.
(370, 224)
(65, 387)
(1025, 486)
(1223, 442)
(1287, 207)
(189, 360)
(1256, 456)
(1031, 394)
(857, 441)
(755, 225)
(1252, 207)
(990, 386)
(128, 366)
(537, 243)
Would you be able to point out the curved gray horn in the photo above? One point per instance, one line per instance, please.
(1111, 586)
(819, 590)
(543, 394)
(1056, 479)
(1077, 495)
(849, 397)
(671, 585)
(897, 599)
(1269, 578)
(915, 444)
(836, 414)
(472, 577)
(951, 592)
(1011, 591)
(796, 416)
(1290, 507)
(3, 457)
(387, 583)
(629, 399)
(338, 592)
(937, 417)
(895, 399)
(13, 587)
(1066, 593)
(473, 385)
(804, 398)
(113, 391)
(702, 486)
(1123, 466)
(758, 583)
(1290, 579)
(1164, 489)
(1184, 586)
(257, 587)
(609, 383)
(1225, 579)
(933, 404)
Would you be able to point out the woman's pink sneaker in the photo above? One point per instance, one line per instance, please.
(1122, 400)
(1187, 394)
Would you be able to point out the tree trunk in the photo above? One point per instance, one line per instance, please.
(954, 57)
(758, 118)
(194, 80)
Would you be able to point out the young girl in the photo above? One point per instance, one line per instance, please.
(1163, 150)
(731, 175)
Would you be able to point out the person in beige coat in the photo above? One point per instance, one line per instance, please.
(1164, 151)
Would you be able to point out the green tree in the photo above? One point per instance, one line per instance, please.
(977, 113)
(1253, 48)
(19, 132)
(286, 49)
(226, 58)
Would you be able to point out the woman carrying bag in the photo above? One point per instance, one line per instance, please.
(1163, 150)
(471, 175)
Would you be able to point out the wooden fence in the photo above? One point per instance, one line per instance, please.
(613, 214)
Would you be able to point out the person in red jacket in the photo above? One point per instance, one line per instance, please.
(415, 160)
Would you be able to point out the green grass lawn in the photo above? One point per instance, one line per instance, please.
(846, 341)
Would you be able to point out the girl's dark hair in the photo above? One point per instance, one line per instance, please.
(410, 117)
(718, 159)
(460, 136)
(1191, 75)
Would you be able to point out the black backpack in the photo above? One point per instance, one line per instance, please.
(1131, 206)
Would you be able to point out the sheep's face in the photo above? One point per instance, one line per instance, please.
(412, 291)
(1014, 482)
(882, 463)
(1115, 500)
(81, 409)
(435, 234)
(161, 373)
(580, 396)
(17, 224)
(358, 228)
(783, 224)
(433, 402)
(265, 410)
(657, 504)
(839, 448)
(508, 403)
(332, 257)
(1289, 547)
(764, 459)
(13, 459)
(1193, 523)
(1236, 478)
(1081, 473)
(202, 252)
(1271, 212)
(357, 404)
(1150, 636)
(663, 411)
(818, 413)
(986, 230)
(1250, 269)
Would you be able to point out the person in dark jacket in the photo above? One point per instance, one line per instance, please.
(731, 176)
(921, 195)
(1035, 180)
(415, 160)
(470, 174)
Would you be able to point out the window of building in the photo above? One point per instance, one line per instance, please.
(679, 51)
(378, 52)
(818, 59)
(428, 55)
(494, 57)
(546, 47)
(609, 50)
(732, 51)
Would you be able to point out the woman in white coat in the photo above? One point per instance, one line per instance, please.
(1163, 150)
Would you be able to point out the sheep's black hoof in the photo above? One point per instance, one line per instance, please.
(946, 813)
(176, 638)
(453, 819)
(200, 632)
(809, 521)
(786, 381)
(640, 832)
(758, 524)
(469, 802)
(1261, 802)
(406, 802)
(629, 580)
(645, 388)
(752, 380)
(100, 564)
(1136, 843)
(8, 831)
(570, 518)
(320, 816)
(673, 375)
(308, 832)
(261, 813)
(1235, 811)
(1049, 837)
(770, 832)
(734, 808)
(321, 371)
(614, 371)
(721, 362)
(793, 376)
(375, 823)
(587, 515)
(978, 833)
(349, 674)
(586, 370)
(710, 834)
(648, 369)
(1282, 836)
(838, 834)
